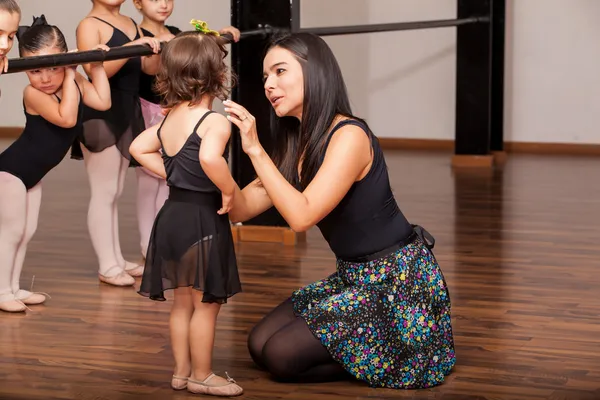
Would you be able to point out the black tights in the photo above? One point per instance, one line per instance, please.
(282, 344)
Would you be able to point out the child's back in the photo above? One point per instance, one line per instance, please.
(181, 149)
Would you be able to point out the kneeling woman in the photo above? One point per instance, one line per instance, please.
(384, 315)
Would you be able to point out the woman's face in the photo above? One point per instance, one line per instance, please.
(284, 82)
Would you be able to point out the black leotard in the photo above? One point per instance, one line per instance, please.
(368, 219)
(147, 81)
(123, 122)
(40, 148)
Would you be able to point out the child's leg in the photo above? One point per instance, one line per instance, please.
(147, 192)
(181, 315)
(202, 336)
(34, 200)
(202, 339)
(132, 269)
(103, 171)
(13, 206)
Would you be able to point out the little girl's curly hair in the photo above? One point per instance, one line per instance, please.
(193, 65)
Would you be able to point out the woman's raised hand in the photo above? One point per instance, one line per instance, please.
(247, 126)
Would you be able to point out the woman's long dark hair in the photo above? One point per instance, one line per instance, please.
(325, 97)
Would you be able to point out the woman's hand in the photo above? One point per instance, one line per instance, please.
(247, 126)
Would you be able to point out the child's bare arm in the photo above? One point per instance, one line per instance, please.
(145, 149)
(96, 94)
(214, 143)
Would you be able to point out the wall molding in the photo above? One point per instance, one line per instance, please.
(579, 149)
(10, 132)
(576, 149)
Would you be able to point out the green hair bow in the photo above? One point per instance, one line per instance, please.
(202, 26)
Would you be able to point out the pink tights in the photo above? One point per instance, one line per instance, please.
(106, 173)
(19, 212)
(152, 191)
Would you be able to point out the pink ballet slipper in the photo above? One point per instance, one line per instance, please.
(9, 303)
(227, 390)
(179, 382)
(29, 297)
(133, 269)
(121, 278)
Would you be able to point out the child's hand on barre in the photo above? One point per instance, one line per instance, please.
(154, 43)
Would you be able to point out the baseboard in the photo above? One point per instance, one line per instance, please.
(570, 149)
(267, 234)
(416, 144)
(13, 132)
(10, 132)
(509, 147)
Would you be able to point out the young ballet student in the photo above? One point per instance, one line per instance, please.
(107, 135)
(53, 105)
(152, 190)
(10, 17)
(191, 248)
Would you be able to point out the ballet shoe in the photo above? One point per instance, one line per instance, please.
(9, 303)
(122, 278)
(179, 382)
(134, 269)
(31, 298)
(227, 390)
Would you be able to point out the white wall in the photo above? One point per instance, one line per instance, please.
(553, 71)
(403, 83)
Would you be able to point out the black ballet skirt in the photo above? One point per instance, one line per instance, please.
(124, 121)
(190, 244)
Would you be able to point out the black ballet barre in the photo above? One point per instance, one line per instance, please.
(77, 58)
(115, 53)
(400, 26)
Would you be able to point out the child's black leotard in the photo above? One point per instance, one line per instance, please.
(147, 81)
(123, 122)
(40, 148)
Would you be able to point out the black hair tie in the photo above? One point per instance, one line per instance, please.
(41, 20)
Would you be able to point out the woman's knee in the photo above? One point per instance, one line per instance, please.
(255, 343)
(281, 364)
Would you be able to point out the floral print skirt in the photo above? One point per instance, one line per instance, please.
(386, 320)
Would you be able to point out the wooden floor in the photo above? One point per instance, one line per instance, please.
(519, 249)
